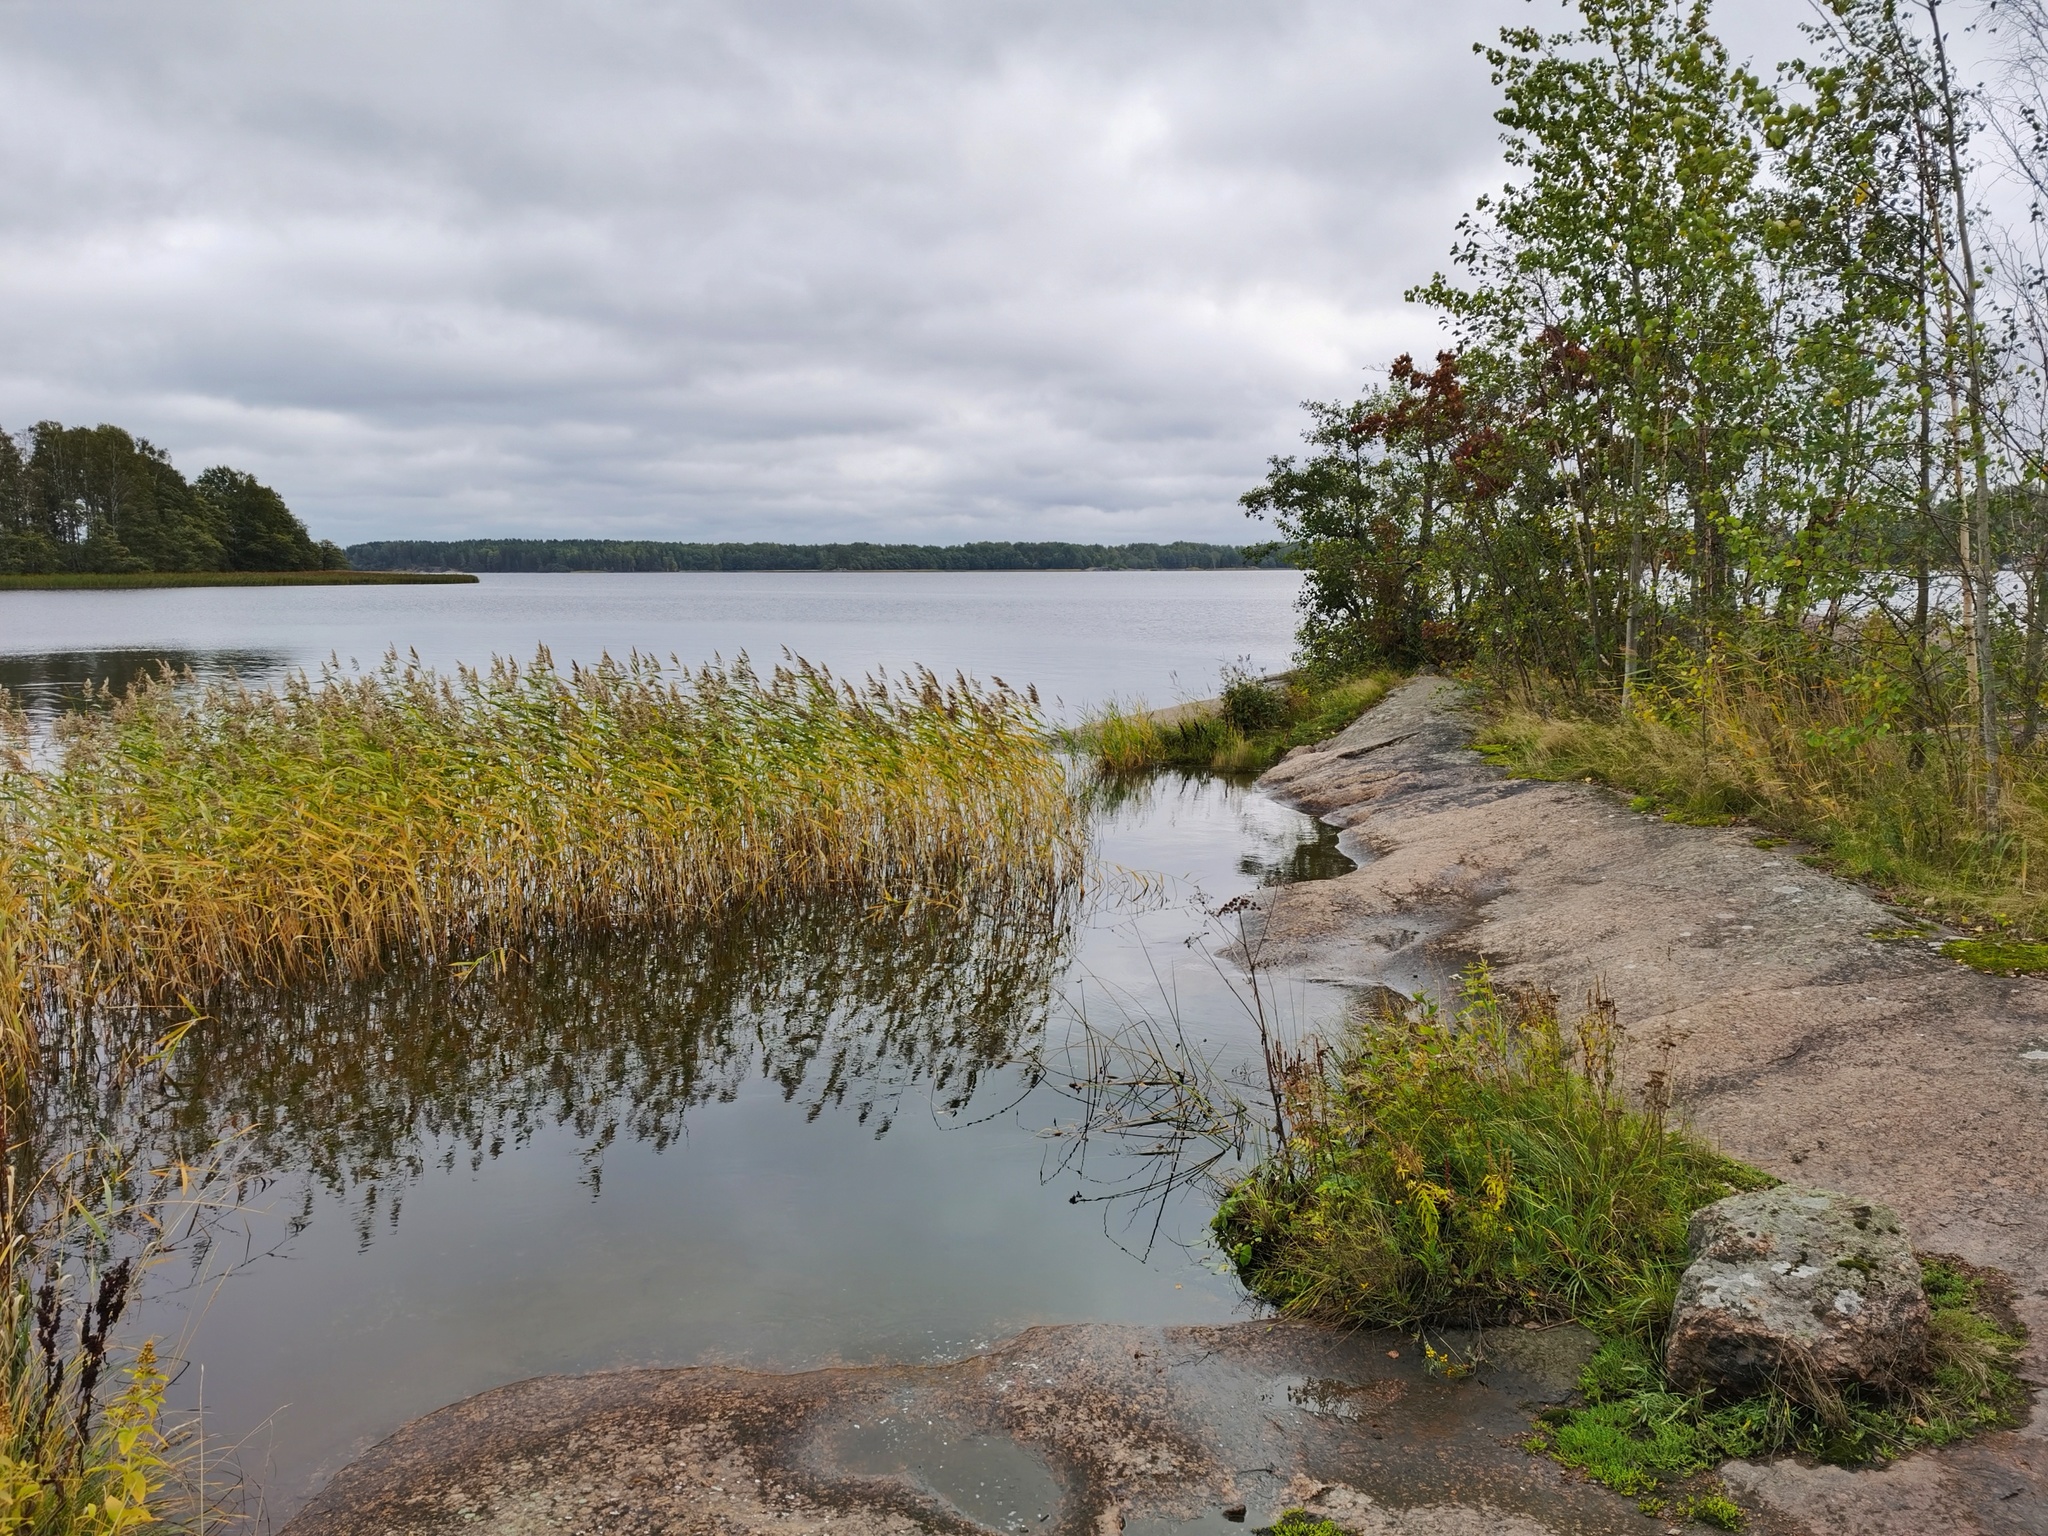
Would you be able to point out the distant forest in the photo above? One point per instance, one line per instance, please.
(95, 499)
(652, 555)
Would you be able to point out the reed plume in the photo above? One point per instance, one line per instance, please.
(183, 840)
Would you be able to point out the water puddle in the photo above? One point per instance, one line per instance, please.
(989, 1478)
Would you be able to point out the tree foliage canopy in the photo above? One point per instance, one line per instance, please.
(1730, 370)
(96, 499)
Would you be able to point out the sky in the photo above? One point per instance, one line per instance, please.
(929, 270)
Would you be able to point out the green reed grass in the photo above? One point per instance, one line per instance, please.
(177, 842)
(188, 839)
(1246, 730)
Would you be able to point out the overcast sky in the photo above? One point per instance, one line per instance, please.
(803, 269)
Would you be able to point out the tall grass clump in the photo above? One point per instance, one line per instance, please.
(82, 1452)
(1471, 1169)
(188, 839)
(1248, 728)
(1486, 1169)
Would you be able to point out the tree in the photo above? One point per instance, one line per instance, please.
(262, 534)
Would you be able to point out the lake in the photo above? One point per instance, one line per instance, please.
(802, 1136)
(1079, 637)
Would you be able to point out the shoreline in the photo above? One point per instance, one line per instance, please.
(1797, 1042)
(115, 581)
(1794, 1039)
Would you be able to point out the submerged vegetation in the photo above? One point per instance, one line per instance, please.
(1250, 727)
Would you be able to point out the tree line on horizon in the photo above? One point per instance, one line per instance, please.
(488, 556)
(1747, 394)
(99, 500)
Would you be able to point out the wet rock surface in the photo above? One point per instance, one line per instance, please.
(1795, 1037)
(1798, 1286)
(1072, 1431)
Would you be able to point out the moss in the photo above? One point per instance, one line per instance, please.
(1630, 1431)
(1299, 1522)
(2000, 957)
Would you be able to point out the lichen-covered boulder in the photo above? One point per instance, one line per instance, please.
(1800, 1287)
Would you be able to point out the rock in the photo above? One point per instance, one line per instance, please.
(1800, 1287)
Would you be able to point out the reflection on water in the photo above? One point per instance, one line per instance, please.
(803, 1136)
(360, 1086)
(1313, 857)
(48, 683)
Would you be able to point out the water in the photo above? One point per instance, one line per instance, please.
(1078, 636)
(807, 1136)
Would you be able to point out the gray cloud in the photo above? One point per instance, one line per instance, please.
(732, 268)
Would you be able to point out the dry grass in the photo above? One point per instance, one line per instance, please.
(1830, 759)
(186, 840)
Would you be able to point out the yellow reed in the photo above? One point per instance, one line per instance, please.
(184, 840)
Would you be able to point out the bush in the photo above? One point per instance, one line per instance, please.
(1251, 705)
(1123, 739)
(1473, 1169)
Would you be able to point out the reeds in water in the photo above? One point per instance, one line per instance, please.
(184, 840)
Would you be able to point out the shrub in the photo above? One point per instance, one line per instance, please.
(1251, 705)
(1474, 1168)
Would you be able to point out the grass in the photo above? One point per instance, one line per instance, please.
(1633, 1433)
(68, 581)
(1486, 1170)
(1299, 1522)
(2000, 957)
(1834, 763)
(82, 1452)
(1481, 1169)
(1248, 729)
(189, 840)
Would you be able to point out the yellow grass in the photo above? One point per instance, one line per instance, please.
(187, 840)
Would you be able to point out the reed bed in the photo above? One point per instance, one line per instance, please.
(184, 840)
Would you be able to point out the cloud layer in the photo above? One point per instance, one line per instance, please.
(729, 268)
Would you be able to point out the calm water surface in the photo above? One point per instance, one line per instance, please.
(804, 1136)
(1078, 636)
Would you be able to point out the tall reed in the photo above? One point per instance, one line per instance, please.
(188, 839)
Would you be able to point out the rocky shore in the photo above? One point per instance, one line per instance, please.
(1794, 1038)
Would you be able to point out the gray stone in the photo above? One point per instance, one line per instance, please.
(1800, 1287)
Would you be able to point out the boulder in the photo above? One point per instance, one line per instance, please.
(1803, 1288)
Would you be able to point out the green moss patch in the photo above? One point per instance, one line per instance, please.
(1999, 957)
(1299, 1522)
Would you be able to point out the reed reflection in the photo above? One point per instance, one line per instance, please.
(361, 1088)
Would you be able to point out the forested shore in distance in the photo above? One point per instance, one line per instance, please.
(504, 555)
(98, 501)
